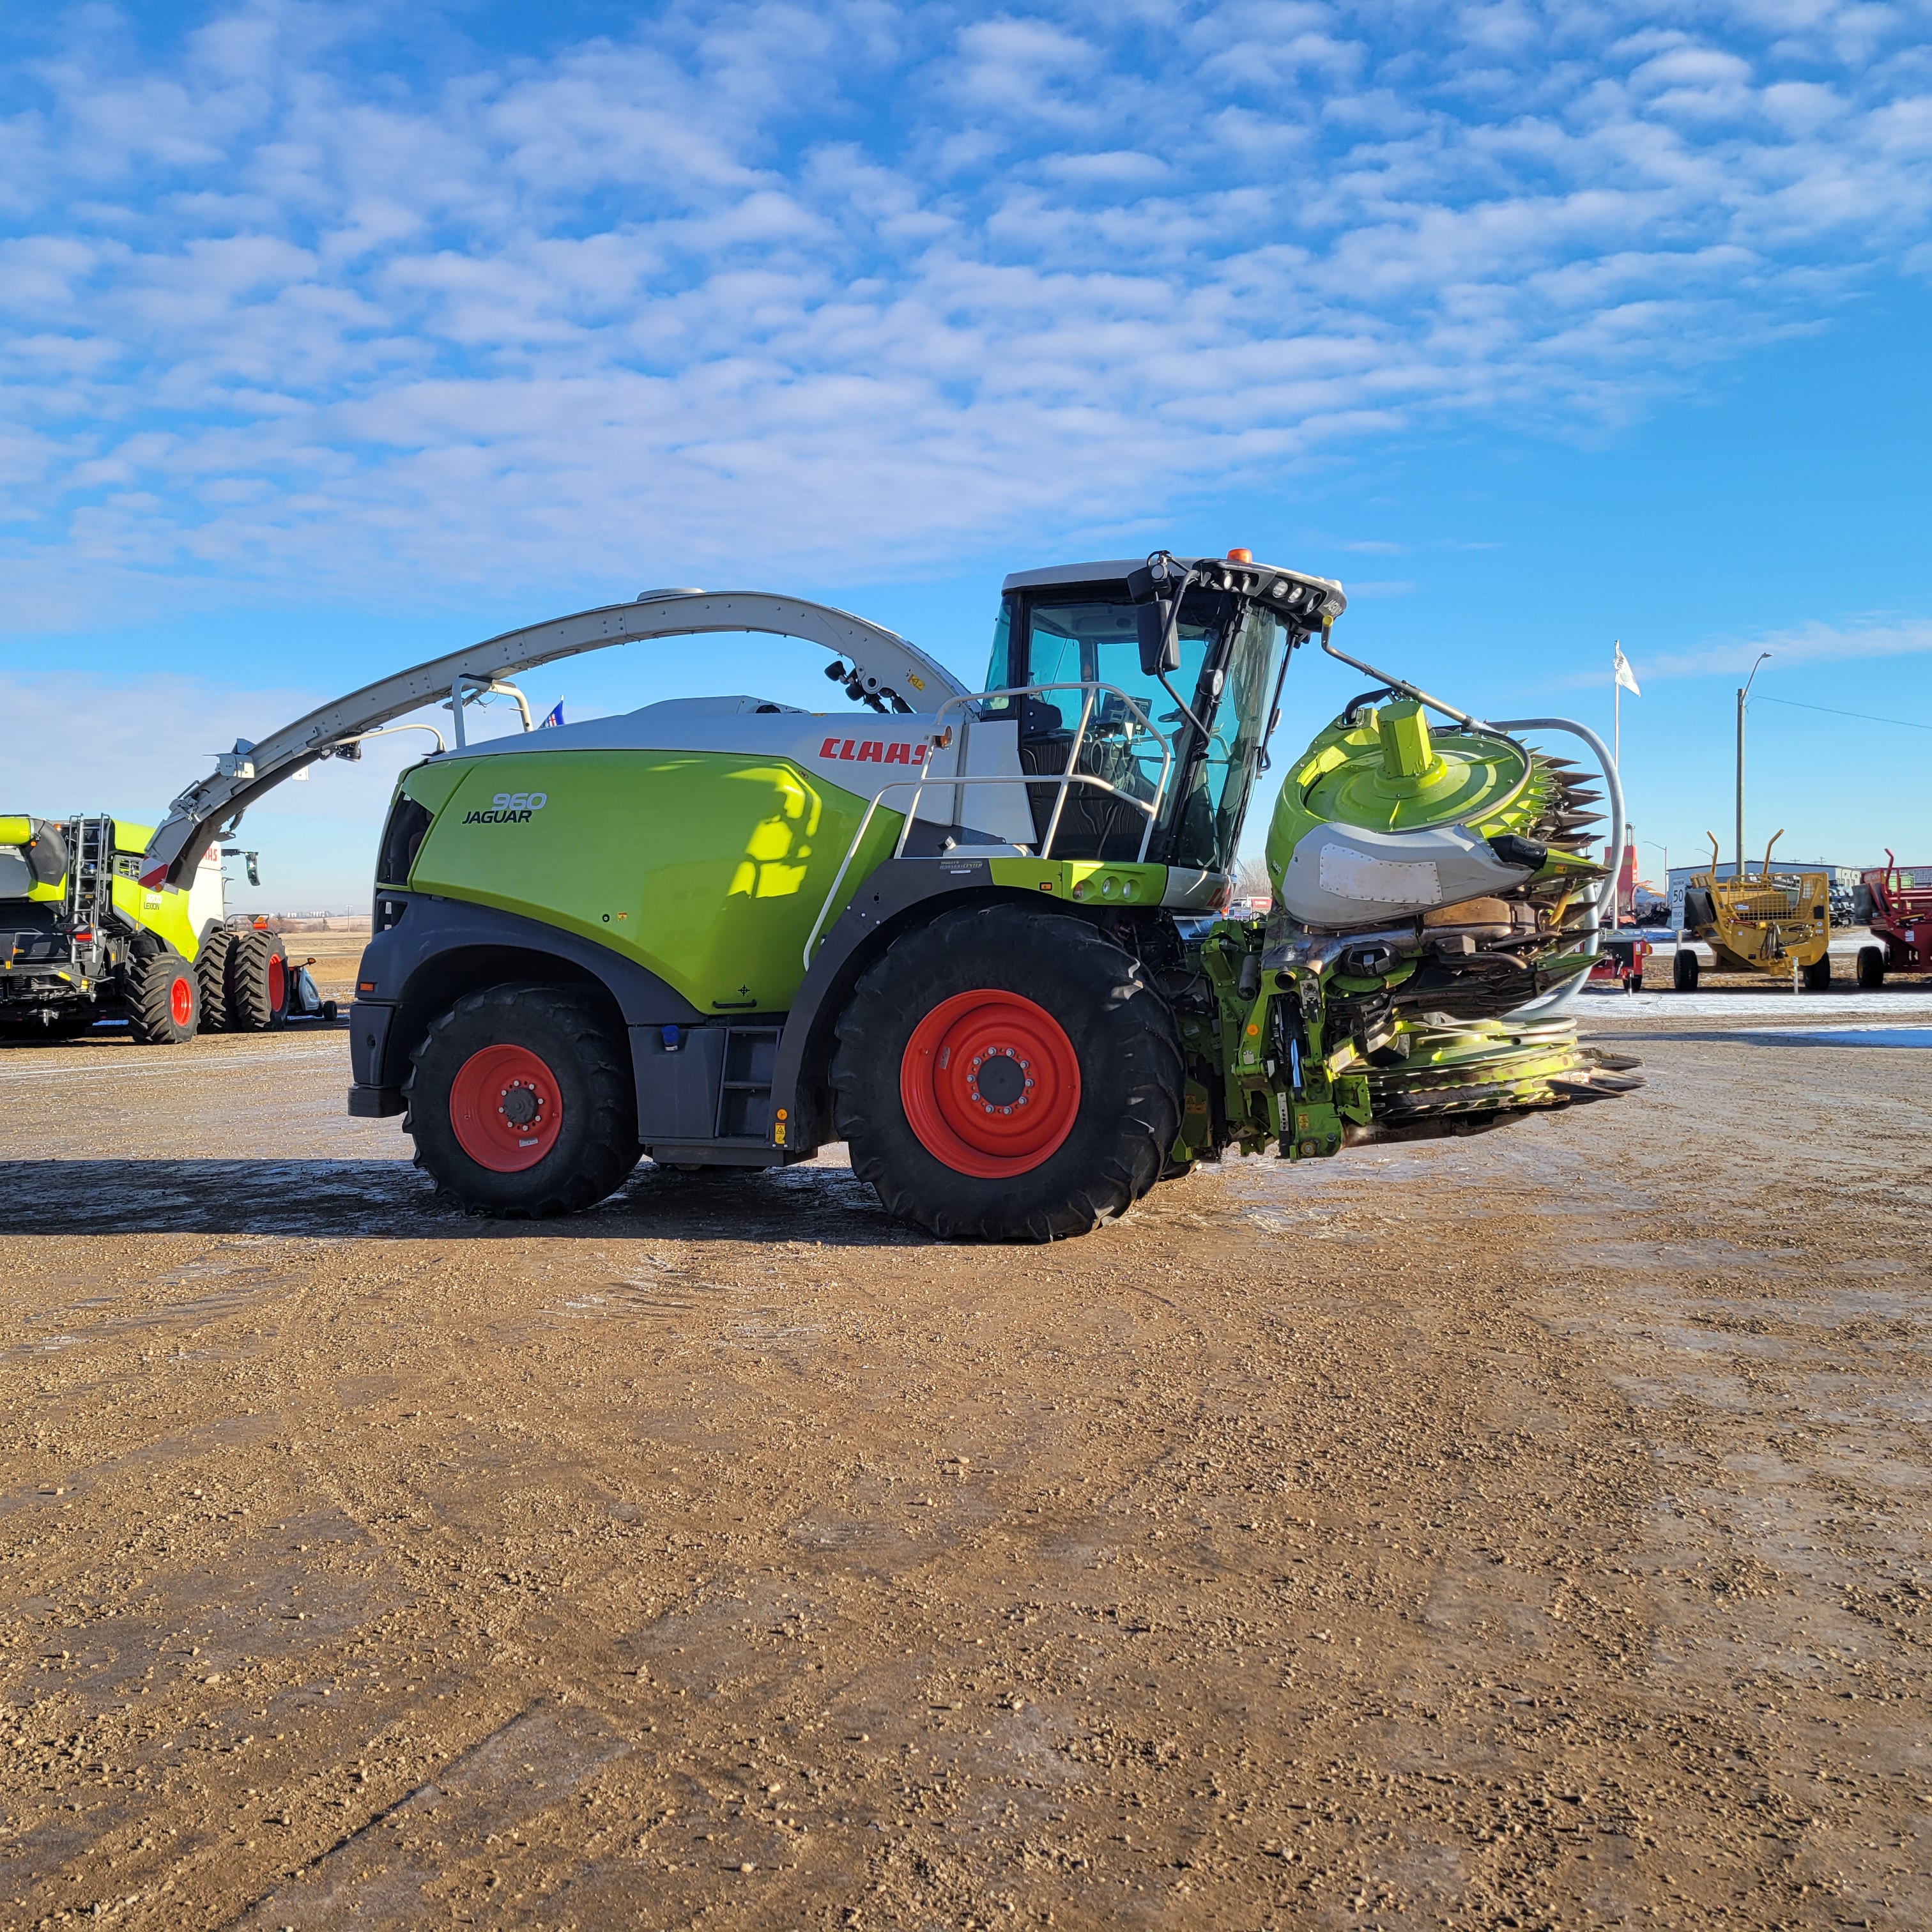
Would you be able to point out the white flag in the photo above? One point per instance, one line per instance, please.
(1625, 676)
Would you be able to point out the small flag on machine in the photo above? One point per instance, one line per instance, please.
(555, 714)
(1625, 676)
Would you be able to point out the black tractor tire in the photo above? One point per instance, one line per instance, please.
(211, 968)
(1871, 968)
(540, 1049)
(1818, 976)
(1094, 1003)
(260, 982)
(163, 999)
(1684, 970)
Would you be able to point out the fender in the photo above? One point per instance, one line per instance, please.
(801, 1115)
(415, 966)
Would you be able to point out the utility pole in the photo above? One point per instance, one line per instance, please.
(1744, 692)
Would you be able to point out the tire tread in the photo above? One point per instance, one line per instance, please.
(895, 992)
(613, 1136)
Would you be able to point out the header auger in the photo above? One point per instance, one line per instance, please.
(974, 934)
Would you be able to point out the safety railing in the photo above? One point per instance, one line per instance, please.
(958, 779)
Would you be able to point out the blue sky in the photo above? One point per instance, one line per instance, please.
(330, 343)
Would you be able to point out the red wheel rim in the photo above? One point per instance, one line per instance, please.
(278, 983)
(180, 1000)
(990, 1083)
(506, 1108)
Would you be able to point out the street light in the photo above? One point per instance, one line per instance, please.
(1744, 693)
(1666, 850)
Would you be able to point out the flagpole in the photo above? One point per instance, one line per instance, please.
(1617, 759)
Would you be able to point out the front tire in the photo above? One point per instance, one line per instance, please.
(1007, 1075)
(1871, 968)
(1818, 976)
(521, 1103)
(163, 998)
(1684, 970)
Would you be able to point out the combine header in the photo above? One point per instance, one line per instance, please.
(976, 935)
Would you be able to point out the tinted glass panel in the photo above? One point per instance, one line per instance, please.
(1218, 788)
(1095, 640)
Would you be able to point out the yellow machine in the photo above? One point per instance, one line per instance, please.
(1774, 923)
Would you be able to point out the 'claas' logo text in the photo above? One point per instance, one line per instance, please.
(873, 751)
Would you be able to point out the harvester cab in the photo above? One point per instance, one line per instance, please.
(975, 935)
(1778, 924)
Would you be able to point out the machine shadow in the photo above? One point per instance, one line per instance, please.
(111, 1035)
(390, 1200)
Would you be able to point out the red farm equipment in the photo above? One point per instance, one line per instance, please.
(1896, 902)
(1621, 960)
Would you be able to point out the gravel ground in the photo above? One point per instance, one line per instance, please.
(1525, 1530)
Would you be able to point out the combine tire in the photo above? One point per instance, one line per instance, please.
(1684, 970)
(1818, 976)
(258, 982)
(211, 968)
(1007, 1075)
(522, 1104)
(163, 999)
(1871, 968)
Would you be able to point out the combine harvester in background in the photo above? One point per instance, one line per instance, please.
(1779, 925)
(972, 934)
(1897, 905)
(82, 939)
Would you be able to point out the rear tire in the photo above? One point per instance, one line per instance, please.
(1060, 1019)
(163, 998)
(1871, 968)
(521, 1103)
(1684, 970)
(1818, 976)
(258, 982)
(211, 969)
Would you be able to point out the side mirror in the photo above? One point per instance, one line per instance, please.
(1160, 647)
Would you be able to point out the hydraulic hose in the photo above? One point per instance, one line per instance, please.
(1607, 898)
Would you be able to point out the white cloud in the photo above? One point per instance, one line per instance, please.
(1808, 644)
(857, 279)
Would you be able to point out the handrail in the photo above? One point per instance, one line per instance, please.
(1150, 809)
(1091, 689)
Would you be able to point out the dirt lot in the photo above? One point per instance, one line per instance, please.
(1528, 1530)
